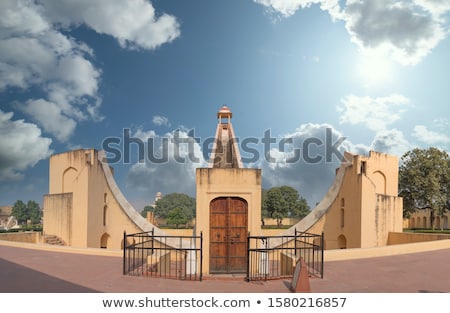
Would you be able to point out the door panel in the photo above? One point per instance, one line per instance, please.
(228, 235)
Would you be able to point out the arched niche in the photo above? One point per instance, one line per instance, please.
(379, 179)
(69, 176)
(342, 242)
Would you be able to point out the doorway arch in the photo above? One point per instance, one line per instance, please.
(104, 241)
(342, 242)
(228, 220)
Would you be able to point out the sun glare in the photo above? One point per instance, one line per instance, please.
(374, 69)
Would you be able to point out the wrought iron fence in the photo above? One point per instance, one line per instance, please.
(274, 257)
(179, 257)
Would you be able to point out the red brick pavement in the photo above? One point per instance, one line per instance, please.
(29, 270)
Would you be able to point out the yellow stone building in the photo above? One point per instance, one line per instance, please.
(85, 208)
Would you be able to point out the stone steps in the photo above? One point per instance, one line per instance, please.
(53, 240)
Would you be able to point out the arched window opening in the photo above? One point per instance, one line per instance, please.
(342, 242)
(104, 241)
(105, 211)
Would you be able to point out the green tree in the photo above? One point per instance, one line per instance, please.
(264, 211)
(19, 211)
(34, 212)
(147, 208)
(176, 217)
(284, 201)
(24, 212)
(172, 201)
(301, 208)
(424, 181)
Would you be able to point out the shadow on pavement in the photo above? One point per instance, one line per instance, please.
(16, 278)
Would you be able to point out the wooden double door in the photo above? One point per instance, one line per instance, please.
(228, 235)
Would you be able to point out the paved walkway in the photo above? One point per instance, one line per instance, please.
(29, 270)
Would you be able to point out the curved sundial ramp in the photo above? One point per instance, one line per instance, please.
(313, 218)
(129, 210)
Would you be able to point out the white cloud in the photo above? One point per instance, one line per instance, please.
(375, 113)
(288, 7)
(172, 168)
(391, 141)
(133, 23)
(22, 146)
(406, 30)
(437, 7)
(423, 134)
(160, 120)
(51, 117)
(35, 51)
(314, 172)
(400, 28)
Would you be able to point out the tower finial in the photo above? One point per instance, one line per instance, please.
(224, 113)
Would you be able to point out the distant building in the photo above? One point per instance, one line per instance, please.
(5, 213)
(158, 196)
(422, 219)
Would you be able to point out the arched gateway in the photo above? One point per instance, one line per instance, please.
(228, 203)
(228, 233)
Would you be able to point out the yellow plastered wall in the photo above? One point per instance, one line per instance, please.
(78, 216)
(226, 182)
(367, 207)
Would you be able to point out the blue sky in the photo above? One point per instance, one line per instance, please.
(72, 74)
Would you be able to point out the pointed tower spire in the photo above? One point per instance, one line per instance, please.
(225, 152)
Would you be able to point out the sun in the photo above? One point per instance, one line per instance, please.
(374, 68)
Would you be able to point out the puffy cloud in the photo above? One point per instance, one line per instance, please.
(288, 7)
(160, 120)
(51, 117)
(406, 30)
(35, 51)
(400, 28)
(320, 151)
(423, 134)
(22, 146)
(168, 166)
(375, 113)
(437, 7)
(391, 141)
(133, 23)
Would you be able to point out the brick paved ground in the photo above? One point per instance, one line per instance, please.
(28, 270)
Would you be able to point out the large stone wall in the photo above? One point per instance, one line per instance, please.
(58, 216)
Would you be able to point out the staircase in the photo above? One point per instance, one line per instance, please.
(53, 240)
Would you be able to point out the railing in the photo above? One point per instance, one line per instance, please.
(274, 257)
(179, 257)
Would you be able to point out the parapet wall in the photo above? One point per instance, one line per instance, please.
(27, 237)
(402, 238)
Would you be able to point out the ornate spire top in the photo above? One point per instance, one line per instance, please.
(225, 152)
(224, 112)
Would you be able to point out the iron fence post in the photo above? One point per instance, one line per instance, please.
(247, 278)
(322, 244)
(201, 255)
(124, 250)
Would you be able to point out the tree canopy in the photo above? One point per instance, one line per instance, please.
(284, 201)
(24, 212)
(424, 181)
(177, 216)
(147, 208)
(175, 200)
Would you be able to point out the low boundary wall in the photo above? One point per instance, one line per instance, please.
(28, 237)
(401, 238)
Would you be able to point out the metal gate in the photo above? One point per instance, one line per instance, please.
(180, 257)
(274, 257)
